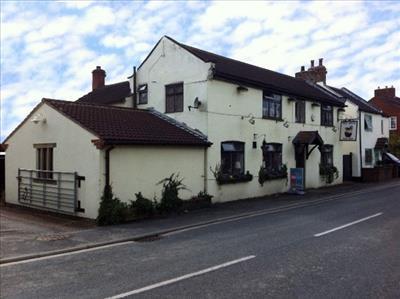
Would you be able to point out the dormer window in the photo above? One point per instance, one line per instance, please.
(143, 94)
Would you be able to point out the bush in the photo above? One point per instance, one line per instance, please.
(142, 206)
(170, 201)
(111, 210)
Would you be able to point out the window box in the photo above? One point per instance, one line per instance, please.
(328, 172)
(232, 179)
(272, 174)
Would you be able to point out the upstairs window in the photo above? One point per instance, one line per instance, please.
(326, 115)
(143, 93)
(44, 160)
(326, 155)
(174, 98)
(300, 112)
(272, 156)
(393, 123)
(232, 158)
(272, 106)
(368, 123)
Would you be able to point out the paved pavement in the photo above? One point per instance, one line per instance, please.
(346, 248)
(25, 234)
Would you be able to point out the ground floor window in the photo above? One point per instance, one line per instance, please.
(327, 155)
(232, 157)
(44, 160)
(272, 156)
(368, 156)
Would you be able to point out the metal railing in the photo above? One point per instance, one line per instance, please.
(49, 190)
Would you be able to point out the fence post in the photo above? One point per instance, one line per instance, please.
(75, 191)
(58, 190)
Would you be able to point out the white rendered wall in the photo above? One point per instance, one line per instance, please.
(74, 151)
(170, 64)
(136, 169)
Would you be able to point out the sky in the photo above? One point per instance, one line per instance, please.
(49, 48)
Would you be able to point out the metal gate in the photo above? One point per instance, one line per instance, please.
(49, 190)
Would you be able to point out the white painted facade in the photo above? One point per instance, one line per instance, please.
(220, 117)
(74, 152)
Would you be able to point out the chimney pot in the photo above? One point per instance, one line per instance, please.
(98, 78)
(320, 61)
(302, 69)
(312, 63)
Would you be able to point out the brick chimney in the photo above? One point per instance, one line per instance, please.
(314, 73)
(387, 92)
(98, 78)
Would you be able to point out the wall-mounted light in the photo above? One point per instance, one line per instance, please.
(286, 124)
(250, 117)
(196, 104)
(241, 88)
(334, 129)
(255, 137)
(38, 118)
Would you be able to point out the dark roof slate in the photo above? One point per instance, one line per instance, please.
(116, 125)
(108, 94)
(239, 72)
(362, 104)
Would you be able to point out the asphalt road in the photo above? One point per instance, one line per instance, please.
(348, 248)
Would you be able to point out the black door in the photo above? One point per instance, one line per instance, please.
(300, 156)
(347, 167)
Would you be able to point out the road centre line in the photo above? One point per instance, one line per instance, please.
(64, 254)
(183, 277)
(347, 225)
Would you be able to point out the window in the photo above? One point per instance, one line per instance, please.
(377, 155)
(44, 160)
(326, 155)
(382, 126)
(272, 106)
(232, 158)
(300, 112)
(326, 115)
(368, 122)
(272, 156)
(142, 91)
(393, 123)
(368, 156)
(174, 98)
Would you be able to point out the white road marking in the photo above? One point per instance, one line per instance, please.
(63, 254)
(346, 225)
(187, 276)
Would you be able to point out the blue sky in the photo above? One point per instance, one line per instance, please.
(48, 49)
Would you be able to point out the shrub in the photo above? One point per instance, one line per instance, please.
(111, 210)
(142, 206)
(170, 201)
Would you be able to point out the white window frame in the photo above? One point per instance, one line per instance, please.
(395, 123)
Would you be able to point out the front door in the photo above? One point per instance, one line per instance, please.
(300, 156)
(347, 167)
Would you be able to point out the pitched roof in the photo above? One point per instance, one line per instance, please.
(362, 104)
(239, 72)
(116, 125)
(108, 94)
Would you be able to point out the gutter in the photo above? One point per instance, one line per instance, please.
(361, 159)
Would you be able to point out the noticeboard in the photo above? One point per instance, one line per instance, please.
(297, 179)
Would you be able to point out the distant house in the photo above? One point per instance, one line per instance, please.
(228, 128)
(386, 100)
(362, 149)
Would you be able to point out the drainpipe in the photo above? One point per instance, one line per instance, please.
(205, 170)
(107, 162)
(134, 88)
(361, 159)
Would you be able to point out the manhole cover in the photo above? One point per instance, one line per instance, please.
(149, 238)
(53, 237)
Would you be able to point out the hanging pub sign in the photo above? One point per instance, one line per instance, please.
(348, 130)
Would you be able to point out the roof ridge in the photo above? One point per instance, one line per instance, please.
(178, 124)
(91, 104)
(360, 99)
